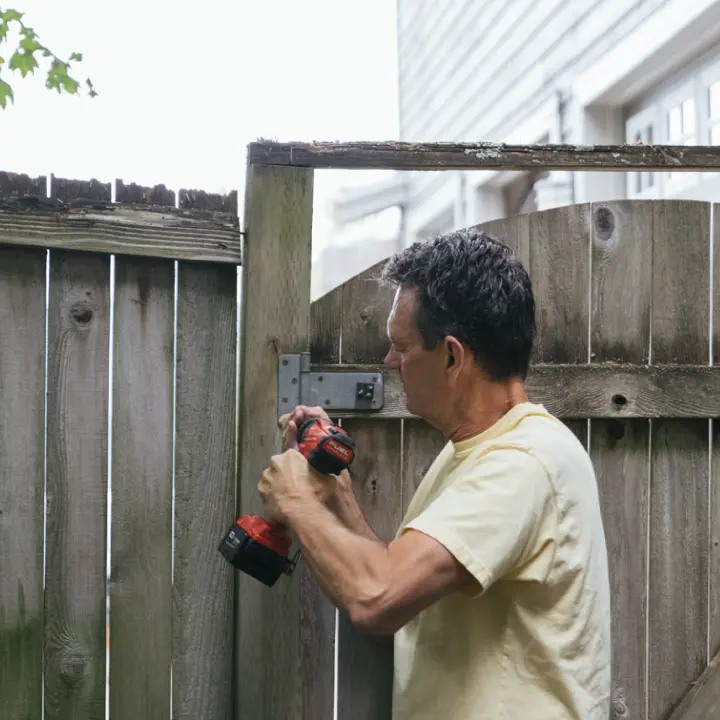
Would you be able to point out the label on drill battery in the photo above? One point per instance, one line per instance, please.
(338, 450)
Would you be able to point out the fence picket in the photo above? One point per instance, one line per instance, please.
(621, 301)
(679, 484)
(202, 623)
(22, 457)
(78, 356)
(141, 515)
(317, 612)
(365, 662)
(714, 499)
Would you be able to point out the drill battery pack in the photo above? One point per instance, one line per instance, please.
(259, 548)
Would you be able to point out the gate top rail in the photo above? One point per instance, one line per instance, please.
(483, 156)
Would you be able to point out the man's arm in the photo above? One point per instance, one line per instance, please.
(380, 586)
(343, 504)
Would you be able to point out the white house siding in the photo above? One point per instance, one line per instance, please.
(580, 71)
(493, 64)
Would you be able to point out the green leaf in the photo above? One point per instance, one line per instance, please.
(77, 57)
(10, 15)
(30, 44)
(6, 94)
(24, 62)
(4, 28)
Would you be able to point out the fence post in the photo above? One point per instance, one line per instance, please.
(275, 320)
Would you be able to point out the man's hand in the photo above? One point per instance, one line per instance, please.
(291, 480)
(290, 422)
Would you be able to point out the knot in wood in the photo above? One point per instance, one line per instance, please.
(619, 706)
(81, 312)
(604, 222)
(365, 316)
(73, 667)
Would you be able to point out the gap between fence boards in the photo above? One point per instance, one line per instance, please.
(607, 390)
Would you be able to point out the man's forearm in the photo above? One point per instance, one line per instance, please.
(350, 567)
(345, 506)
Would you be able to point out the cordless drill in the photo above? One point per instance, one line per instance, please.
(261, 547)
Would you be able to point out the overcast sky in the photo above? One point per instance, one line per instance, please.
(184, 86)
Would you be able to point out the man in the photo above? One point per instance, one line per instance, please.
(496, 585)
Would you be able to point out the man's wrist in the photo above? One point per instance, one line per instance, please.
(299, 505)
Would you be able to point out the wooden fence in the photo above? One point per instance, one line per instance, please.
(131, 317)
(153, 340)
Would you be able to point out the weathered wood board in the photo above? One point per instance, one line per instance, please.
(203, 590)
(275, 320)
(621, 298)
(141, 523)
(365, 662)
(22, 459)
(77, 466)
(678, 578)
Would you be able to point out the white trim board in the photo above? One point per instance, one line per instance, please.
(672, 36)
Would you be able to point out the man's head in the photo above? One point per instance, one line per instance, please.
(464, 313)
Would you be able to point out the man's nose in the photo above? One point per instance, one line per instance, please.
(390, 359)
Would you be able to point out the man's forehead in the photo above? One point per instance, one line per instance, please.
(401, 312)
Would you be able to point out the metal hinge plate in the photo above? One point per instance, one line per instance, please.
(338, 391)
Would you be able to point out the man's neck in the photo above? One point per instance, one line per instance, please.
(483, 407)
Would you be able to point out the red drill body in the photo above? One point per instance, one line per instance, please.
(260, 547)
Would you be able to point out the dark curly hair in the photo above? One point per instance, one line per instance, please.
(473, 287)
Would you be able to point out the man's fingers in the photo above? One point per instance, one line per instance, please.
(290, 435)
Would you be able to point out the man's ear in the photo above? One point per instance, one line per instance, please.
(455, 353)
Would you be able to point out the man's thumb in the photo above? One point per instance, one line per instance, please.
(290, 441)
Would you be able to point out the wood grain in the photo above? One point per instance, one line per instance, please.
(619, 451)
(714, 544)
(714, 538)
(142, 476)
(483, 155)
(703, 701)
(621, 296)
(326, 326)
(513, 231)
(317, 612)
(577, 392)
(121, 229)
(22, 458)
(681, 282)
(276, 319)
(422, 443)
(621, 281)
(202, 684)
(678, 602)
(77, 443)
(365, 662)
(560, 274)
(366, 306)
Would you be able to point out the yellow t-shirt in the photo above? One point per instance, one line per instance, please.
(518, 506)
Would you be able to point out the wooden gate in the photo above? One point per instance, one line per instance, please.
(624, 356)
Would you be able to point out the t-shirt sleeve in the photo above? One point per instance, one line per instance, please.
(495, 516)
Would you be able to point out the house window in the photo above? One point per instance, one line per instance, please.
(642, 128)
(713, 100)
(681, 129)
(643, 181)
